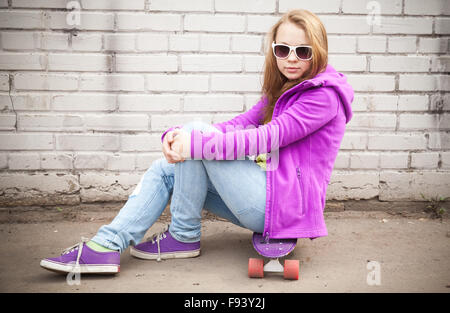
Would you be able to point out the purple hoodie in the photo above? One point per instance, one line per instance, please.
(301, 141)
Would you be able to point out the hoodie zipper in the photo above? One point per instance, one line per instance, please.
(299, 177)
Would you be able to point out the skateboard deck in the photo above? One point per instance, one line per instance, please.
(273, 249)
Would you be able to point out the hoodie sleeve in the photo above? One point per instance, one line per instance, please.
(315, 108)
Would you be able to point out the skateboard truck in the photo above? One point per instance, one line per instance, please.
(273, 249)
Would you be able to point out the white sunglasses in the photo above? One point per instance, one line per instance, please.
(282, 51)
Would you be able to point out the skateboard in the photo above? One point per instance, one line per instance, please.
(273, 249)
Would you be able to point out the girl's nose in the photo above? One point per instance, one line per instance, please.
(292, 57)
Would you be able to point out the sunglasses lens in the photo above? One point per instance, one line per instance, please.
(304, 52)
(281, 51)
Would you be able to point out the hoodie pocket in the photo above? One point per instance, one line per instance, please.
(300, 182)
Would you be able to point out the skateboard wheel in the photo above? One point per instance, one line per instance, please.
(255, 268)
(291, 269)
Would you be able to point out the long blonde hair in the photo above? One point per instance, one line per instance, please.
(275, 83)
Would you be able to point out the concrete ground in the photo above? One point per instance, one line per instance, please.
(411, 253)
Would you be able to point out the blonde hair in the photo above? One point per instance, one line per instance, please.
(275, 83)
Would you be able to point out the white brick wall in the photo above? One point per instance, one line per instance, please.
(82, 107)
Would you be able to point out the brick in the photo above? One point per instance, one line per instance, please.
(51, 4)
(432, 7)
(442, 26)
(440, 102)
(120, 42)
(21, 19)
(3, 160)
(187, 42)
(177, 83)
(24, 161)
(348, 185)
(144, 161)
(146, 63)
(149, 103)
(439, 140)
(152, 42)
(402, 44)
(90, 161)
(410, 186)
(335, 44)
(445, 158)
(364, 160)
(424, 160)
(348, 63)
(112, 82)
(41, 81)
(49, 122)
(215, 43)
(214, 103)
(372, 44)
(139, 143)
(4, 82)
(254, 63)
(361, 121)
(399, 64)
(342, 161)
(117, 122)
(411, 82)
(148, 22)
(54, 41)
(86, 142)
(413, 103)
(354, 141)
(7, 121)
(88, 21)
(107, 186)
(79, 62)
(211, 63)
(184, 6)
(367, 7)
(246, 43)
(244, 82)
(163, 122)
(121, 162)
(214, 23)
(404, 25)
(261, 23)
(87, 42)
(83, 102)
(31, 101)
(377, 103)
(26, 141)
(433, 45)
(113, 5)
(408, 141)
(318, 6)
(372, 82)
(22, 61)
(20, 40)
(246, 6)
(440, 64)
(56, 161)
(394, 160)
(345, 24)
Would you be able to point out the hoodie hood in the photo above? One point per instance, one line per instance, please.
(338, 81)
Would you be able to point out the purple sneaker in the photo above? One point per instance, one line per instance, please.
(164, 246)
(80, 258)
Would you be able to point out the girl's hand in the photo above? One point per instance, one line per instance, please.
(168, 151)
(182, 144)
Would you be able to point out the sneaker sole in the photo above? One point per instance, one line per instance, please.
(172, 255)
(84, 269)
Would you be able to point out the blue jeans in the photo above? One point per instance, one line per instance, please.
(232, 189)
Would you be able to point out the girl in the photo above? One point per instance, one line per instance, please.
(295, 130)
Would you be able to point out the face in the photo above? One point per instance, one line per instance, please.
(292, 35)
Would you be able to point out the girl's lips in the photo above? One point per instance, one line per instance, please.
(292, 69)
